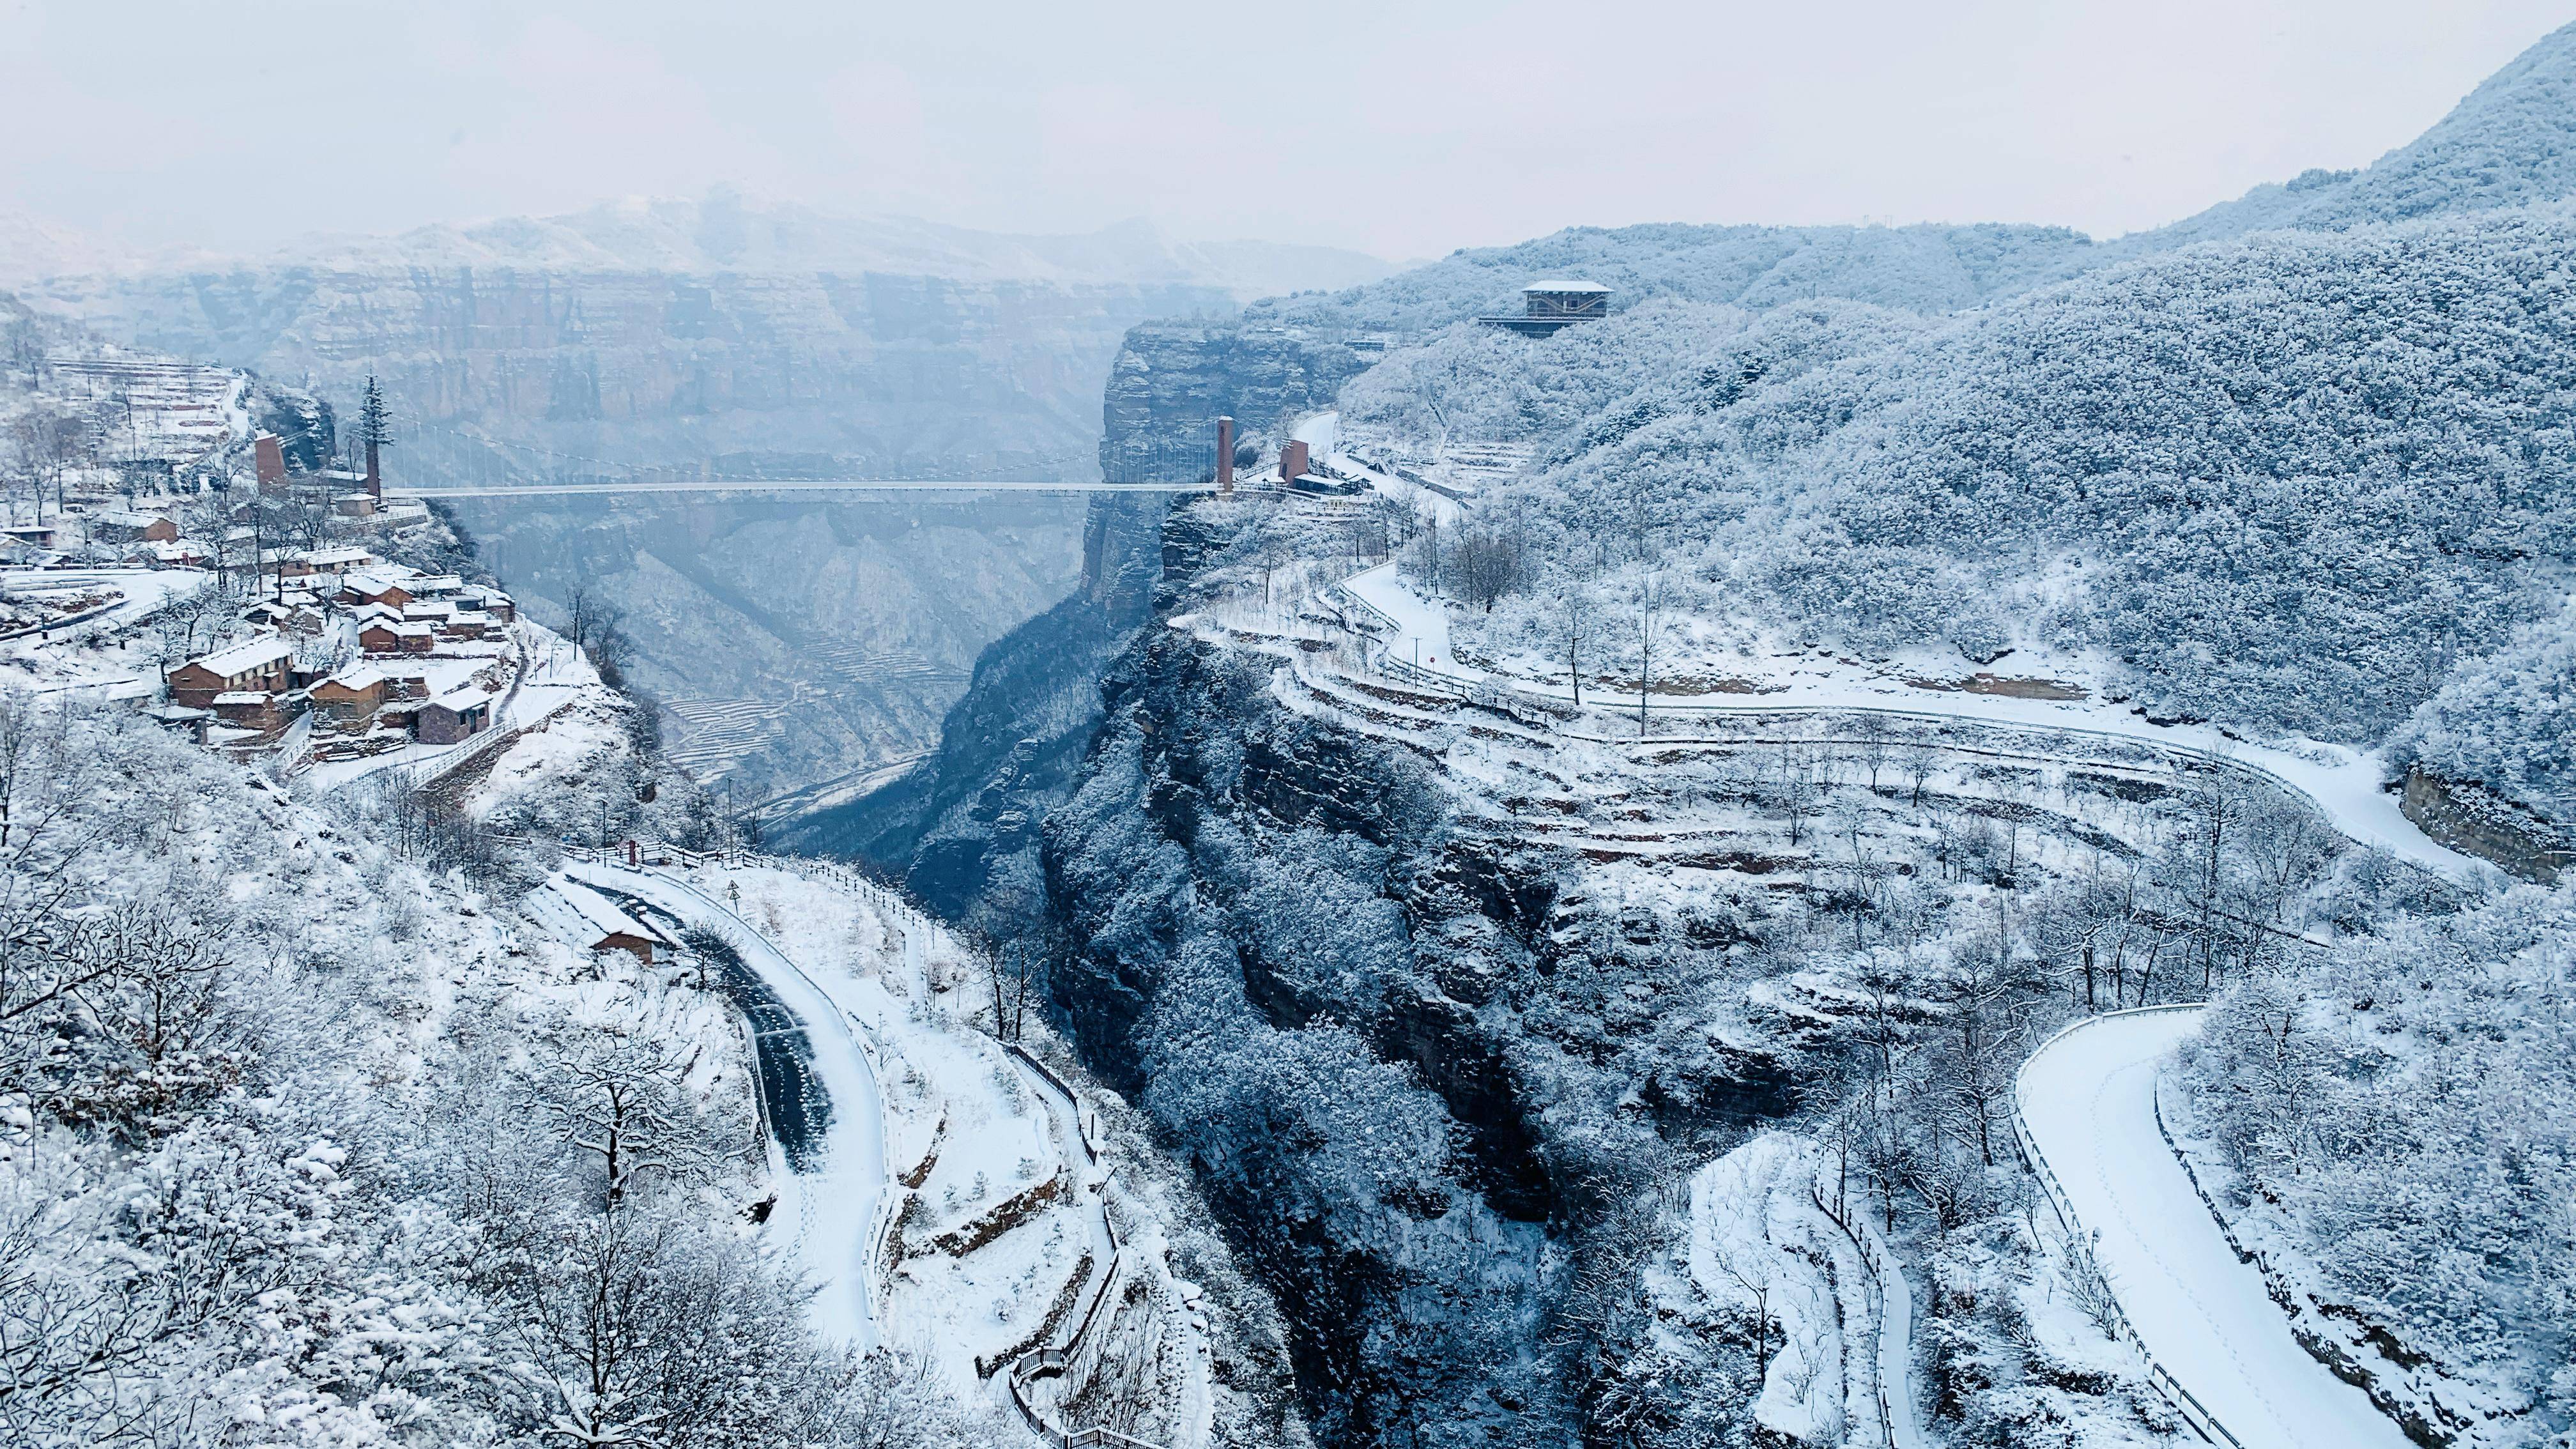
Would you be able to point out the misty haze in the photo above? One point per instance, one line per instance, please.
(1360, 728)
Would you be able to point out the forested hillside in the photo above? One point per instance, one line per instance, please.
(2284, 483)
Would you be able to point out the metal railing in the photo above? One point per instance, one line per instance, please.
(1878, 1276)
(2184, 1402)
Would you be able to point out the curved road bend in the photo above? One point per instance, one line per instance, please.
(2087, 1099)
(827, 1200)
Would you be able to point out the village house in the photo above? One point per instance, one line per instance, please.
(179, 555)
(332, 561)
(456, 715)
(368, 587)
(260, 665)
(1555, 304)
(611, 929)
(129, 527)
(387, 637)
(253, 716)
(348, 700)
(464, 625)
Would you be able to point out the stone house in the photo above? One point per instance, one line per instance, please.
(260, 665)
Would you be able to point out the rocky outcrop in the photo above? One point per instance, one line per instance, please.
(1172, 381)
(2474, 820)
(1012, 747)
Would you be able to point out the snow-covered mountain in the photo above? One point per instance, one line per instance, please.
(1453, 986)
(725, 232)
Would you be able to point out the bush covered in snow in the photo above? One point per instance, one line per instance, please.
(2402, 1117)
(2508, 721)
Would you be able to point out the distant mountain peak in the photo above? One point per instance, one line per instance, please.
(2511, 142)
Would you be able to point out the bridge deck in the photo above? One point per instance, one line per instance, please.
(801, 485)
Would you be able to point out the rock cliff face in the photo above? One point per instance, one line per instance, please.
(499, 374)
(2470, 818)
(1171, 381)
(1009, 750)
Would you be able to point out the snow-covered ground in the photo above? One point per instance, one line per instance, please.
(1322, 435)
(2087, 1102)
(828, 1213)
(2342, 782)
(1762, 1240)
(61, 662)
(143, 590)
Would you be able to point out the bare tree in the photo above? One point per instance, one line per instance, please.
(615, 1092)
(1578, 630)
(1874, 733)
(1652, 603)
(1919, 758)
(582, 608)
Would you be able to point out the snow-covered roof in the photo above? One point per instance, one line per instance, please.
(337, 557)
(457, 701)
(428, 609)
(436, 584)
(596, 913)
(127, 518)
(1564, 285)
(369, 581)
(364, 676)
(243, 658)
(241, 696)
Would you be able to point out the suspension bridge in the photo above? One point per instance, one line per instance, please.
(791, 485)
(466, 462)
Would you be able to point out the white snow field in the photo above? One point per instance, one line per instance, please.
(2086, 1105)
(829, 1214)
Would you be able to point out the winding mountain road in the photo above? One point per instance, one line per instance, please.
(2086, 1104)
(827, 1202)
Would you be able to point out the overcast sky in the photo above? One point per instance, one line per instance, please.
(1404, 129)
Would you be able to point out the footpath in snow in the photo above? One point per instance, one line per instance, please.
(830, 1210)
(2086, 1101)
(1762, 1239)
